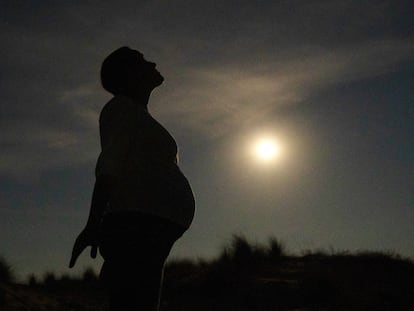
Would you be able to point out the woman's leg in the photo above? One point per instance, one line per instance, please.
(135, 248)
(132, 285)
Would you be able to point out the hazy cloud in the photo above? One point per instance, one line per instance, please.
(217, 99)
(227, 65)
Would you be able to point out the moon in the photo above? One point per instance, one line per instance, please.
(267, 150)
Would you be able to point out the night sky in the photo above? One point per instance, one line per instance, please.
(331, 80)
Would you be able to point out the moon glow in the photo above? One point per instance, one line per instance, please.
(267, 149)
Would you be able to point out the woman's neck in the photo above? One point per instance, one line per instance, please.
(141, 98)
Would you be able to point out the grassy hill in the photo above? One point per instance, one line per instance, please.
(246, 277)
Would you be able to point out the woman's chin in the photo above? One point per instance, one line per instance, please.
(159, 80)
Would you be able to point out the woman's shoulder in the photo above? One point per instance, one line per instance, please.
(118, 103)
(117, 106)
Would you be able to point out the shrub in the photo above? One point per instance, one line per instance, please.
(241, 250)
(49, 278)
(6, 271)
(276, 249)
(32, 280)
(89, 275)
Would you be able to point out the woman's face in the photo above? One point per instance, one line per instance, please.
(145, 72)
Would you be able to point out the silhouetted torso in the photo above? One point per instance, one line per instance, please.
(142, 156)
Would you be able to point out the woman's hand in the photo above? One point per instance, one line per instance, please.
(88, 237)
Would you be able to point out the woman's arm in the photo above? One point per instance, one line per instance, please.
(116, 125)
(100, 199)
(89, 235)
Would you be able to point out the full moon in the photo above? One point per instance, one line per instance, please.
(267, 149)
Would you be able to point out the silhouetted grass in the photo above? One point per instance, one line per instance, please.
(89, 276)
(32, 280)
(361, 281)
(235, 280)
(243, 252)
(251, 276)
(6, 277)
(6, 271)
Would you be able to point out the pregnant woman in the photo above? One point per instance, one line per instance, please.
(141, 203)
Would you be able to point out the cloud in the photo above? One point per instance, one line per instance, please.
(210, 101)
(57, 131)
(215, 100)
(228, 65)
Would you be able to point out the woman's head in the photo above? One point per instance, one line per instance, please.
(125, 71)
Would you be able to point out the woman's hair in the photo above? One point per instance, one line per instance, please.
(115, 70)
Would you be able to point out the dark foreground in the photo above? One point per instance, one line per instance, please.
(247, 278)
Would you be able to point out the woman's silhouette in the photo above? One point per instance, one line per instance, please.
(141, 202)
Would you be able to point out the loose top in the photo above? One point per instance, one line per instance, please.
(141, 156)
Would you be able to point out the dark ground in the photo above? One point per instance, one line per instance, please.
(246, 277)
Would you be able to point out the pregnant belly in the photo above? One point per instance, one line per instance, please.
(166, 193)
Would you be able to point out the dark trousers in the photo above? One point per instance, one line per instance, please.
(134, 247)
